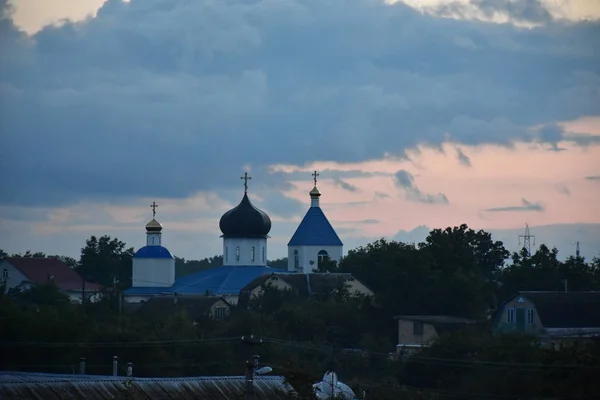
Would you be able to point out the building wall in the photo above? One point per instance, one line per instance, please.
(245, 245)
(274, 281)
(519, 315)
(408, 337)
(306, 254)
(153, 272)
(14, 277)
(215, 310)
(356, 287)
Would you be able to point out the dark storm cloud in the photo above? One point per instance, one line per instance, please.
(406, 181)
(525, 206)
(164, 98)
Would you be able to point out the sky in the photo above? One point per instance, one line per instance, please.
(417, 115)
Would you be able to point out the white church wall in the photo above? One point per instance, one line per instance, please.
(153, 272)
(306, 254)
(244, 251)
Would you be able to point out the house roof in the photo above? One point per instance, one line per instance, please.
(566, 309)
(21, 385)
(40, 270)
(303, 284)
(215, 281)
(315, 230)
(196, 306)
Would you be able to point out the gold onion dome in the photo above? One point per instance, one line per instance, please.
(153, 226)
(315, 192)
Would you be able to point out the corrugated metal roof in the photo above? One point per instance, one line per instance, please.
(315, 230)
(41, 386)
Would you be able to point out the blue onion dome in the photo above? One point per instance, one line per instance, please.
(245, 221)
(153, 226)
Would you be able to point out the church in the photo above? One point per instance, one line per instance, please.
(245, 233)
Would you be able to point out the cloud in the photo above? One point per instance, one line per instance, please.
(344, 185)
(406, 181)
(148, 100)
(563, 189)
(519, 11)
(593, 178)
(526, 206)
(463, 159)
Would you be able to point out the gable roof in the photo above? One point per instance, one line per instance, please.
(315, 230)
(21, 385)
(196, 306)
(566, 309)
(40, 270)
(303, 284)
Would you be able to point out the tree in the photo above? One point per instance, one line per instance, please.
(106, 261)
(3, 253)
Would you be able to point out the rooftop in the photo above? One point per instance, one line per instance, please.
(34, 385)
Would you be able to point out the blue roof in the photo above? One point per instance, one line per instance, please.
(216, 281)
(153, 252)
(315, 230)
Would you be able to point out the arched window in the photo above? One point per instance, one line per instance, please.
(323, 255)
(226, 252)
(237, 253)
(252, 254)
(263, 254)
(296, 259)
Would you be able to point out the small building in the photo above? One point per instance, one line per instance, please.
(550, 315)
(34, 385)
(24, 272)
(197, 307)
(304, 284)
(416, 331)
(315, 240)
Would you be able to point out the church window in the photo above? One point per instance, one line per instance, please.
(296, 259)
(5, 274)
(220, 313)
(263, 254)
(252, 251)
(237, 253)
(322, 255)
(226, 252)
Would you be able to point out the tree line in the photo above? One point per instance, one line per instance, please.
(455, 271)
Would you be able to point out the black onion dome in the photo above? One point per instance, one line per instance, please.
(245, 221)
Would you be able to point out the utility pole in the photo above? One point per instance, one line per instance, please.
(251, 366)
(527, 240)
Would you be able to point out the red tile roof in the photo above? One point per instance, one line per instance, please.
(38, 270)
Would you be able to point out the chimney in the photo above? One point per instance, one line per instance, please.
(82, 366)
(115, 365)
(129, 369)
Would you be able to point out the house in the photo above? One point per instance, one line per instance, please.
(197, 307)
(35, 385)
(550, 315)
(23, 272)
(304, 284)
(416, 331)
